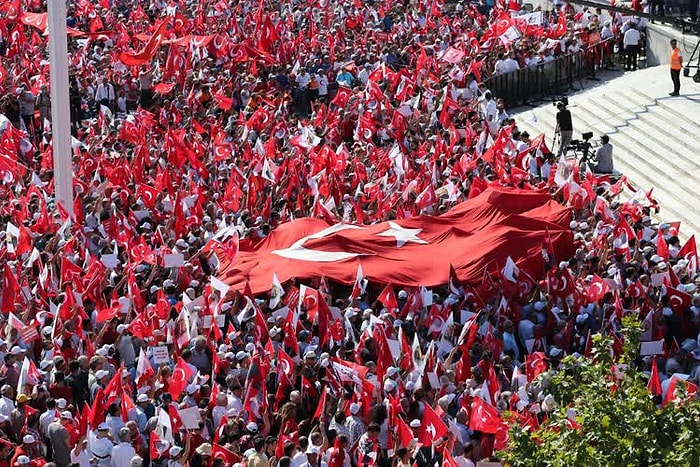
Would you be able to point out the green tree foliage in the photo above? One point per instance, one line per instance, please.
(620, 422)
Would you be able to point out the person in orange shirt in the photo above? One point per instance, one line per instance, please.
(676, 66)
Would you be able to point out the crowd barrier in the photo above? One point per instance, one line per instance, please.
(547, 81)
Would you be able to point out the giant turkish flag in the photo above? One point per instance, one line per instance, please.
(479, 233)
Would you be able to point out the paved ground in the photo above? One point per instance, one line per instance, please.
(656, 137)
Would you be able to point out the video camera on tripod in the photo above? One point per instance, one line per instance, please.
(582, 148)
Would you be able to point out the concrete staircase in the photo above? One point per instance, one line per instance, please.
(656, 138)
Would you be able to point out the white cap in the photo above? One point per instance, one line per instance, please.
(252, 426)
(312, 450)
(16, 350)
(102, 426)
(121, 328)
(101, 374)
(391, 371)
(241, 355)
(61, 403)
(142, 398)
(28, 439)
(415, 423)
(389, 385)
(24, 460)
(192, 388)
(67, 415)
(354, 408)
(175, 451)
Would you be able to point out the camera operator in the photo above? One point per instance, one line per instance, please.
(565, 128)
(603, 157)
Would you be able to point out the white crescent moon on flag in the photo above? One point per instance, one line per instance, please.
(285, 366)
(180, 378)
(298, 252)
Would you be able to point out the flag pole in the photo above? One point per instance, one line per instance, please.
(60, 109)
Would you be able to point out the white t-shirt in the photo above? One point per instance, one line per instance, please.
(631, 37)
(322, 81)
(83, 459)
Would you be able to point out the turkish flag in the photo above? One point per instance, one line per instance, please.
(342, 96)
(285, 364)
(145, 55)
(560, 29)
(388, 298)
(12, 9)
(220, 452)
(484, 417)
(535, 364)
(404, 432)
(156, 447)
(678, 301)
(597, 289)
(654, 385)
(690, 253)
(10, 290)
(181, 377)
(432, 427)
(410, 252)
(662, 246)
(144, 370)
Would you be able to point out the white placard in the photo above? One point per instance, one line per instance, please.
(173, 260)
(394, 348)
(657, 280)
(160, 354)
(528, 344)
(140, 215)
(219, 285)
(110, 261)
(434, 380)
(652, 348)
(465, 315)
(190, 417)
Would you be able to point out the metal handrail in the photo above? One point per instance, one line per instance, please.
(549, 80)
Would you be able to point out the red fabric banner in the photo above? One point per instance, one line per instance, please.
(475, 235)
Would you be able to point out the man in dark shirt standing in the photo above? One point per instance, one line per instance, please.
(77, 381)
(565, 127)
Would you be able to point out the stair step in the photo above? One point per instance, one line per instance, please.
(645, 132)
(646, 145)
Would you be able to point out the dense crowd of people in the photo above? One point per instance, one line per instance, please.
(199, 128)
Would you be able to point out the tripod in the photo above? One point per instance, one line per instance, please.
(686, 70)
(556, 140)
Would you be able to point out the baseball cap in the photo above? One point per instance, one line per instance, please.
(28, 439)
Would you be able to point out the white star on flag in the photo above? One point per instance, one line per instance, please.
(402, 234)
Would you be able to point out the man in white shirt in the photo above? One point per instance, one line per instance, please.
(510, 64)
(631, 41)
(363, 76)
(322, 85)
(123, 452)
(105, 95)
(6, 403)
(101, 446)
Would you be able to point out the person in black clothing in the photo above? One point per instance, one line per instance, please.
(75, 103)
(77, 380)
(430, 456)
(565, 128)
(9, 106)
